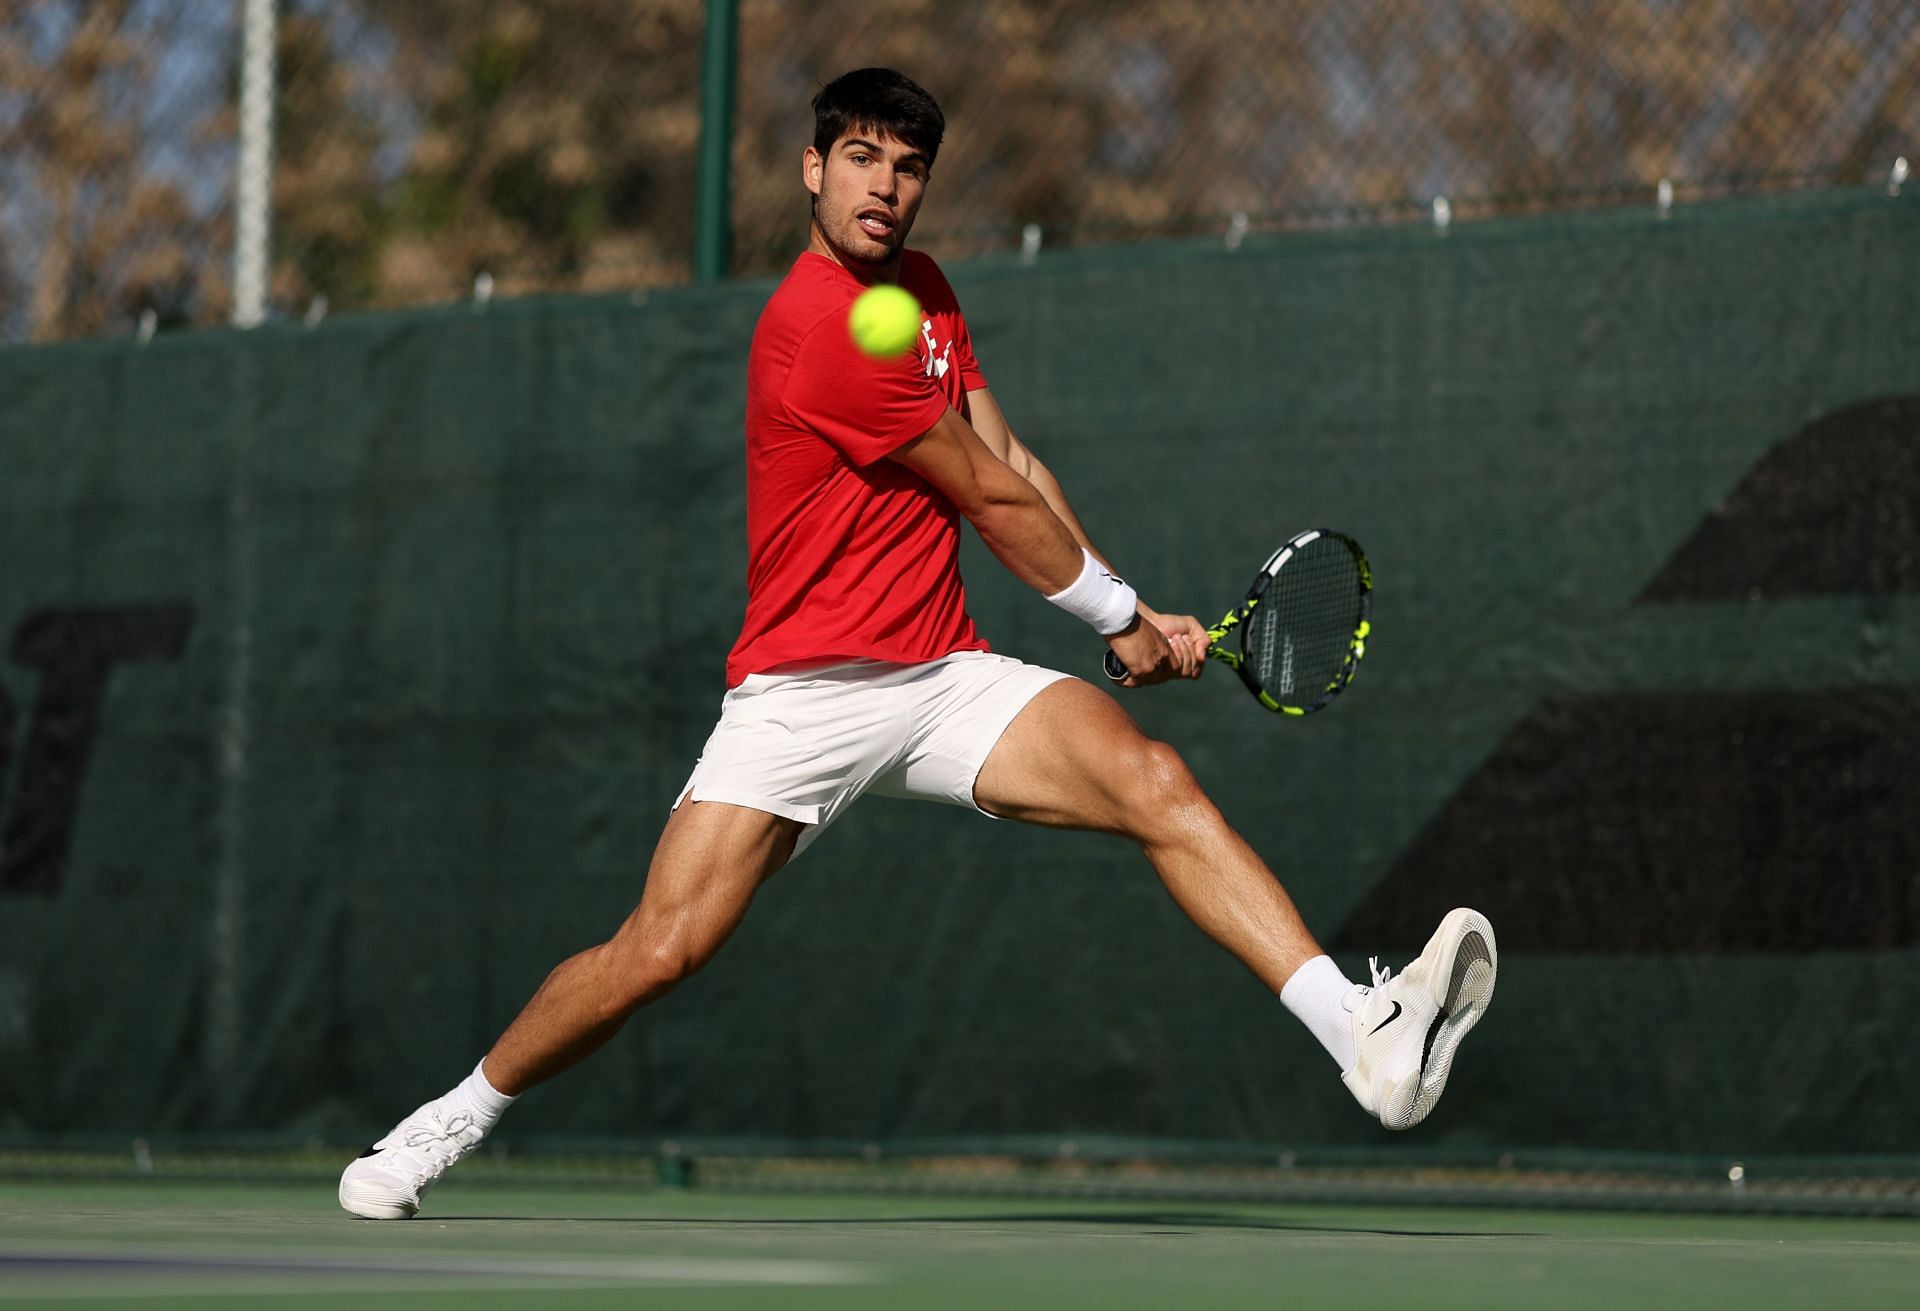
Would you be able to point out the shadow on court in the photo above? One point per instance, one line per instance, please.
(1168, 1224)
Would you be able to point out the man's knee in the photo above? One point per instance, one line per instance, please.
(1162, 792)
(645, 971)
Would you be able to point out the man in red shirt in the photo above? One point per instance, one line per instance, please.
(858, 669)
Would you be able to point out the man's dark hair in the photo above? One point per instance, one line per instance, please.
(881, 101)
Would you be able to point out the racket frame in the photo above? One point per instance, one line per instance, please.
(1236, 619)
(1240, 660)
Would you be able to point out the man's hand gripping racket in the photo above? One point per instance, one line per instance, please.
(1303, 626)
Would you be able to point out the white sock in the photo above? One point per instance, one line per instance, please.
(480, 1098)
(1320, 997)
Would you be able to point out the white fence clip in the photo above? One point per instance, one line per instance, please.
(1030, 243)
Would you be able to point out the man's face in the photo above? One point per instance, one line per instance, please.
(866, 190)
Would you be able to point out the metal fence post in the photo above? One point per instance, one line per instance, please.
(713, 231)
(253, 185)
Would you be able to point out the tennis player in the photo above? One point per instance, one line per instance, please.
(859, 670)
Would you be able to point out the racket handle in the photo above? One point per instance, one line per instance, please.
(1115, 670)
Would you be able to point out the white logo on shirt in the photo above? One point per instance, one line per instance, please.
(937, 366)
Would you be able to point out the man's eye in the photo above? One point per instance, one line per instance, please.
(859, 158)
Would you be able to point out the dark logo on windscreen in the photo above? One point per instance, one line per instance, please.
(1710, 815)
(75, 652)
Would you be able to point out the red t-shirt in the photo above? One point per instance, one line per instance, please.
(849, 555)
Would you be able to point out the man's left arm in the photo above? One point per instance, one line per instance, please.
(1186, 634)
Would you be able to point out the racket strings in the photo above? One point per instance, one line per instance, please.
(1299, 636)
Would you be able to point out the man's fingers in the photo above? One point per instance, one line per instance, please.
(1183, 661)
(1191, 653)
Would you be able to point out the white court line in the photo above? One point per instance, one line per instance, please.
(77, 1270)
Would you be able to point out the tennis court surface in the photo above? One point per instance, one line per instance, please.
(102, 1243)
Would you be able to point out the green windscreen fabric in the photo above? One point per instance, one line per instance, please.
(349, 674)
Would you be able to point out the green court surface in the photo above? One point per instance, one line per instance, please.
(77, 1244)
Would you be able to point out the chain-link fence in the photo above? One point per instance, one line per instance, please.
(552, 147)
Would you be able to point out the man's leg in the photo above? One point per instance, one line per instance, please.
(1073, 758)
(711, 859)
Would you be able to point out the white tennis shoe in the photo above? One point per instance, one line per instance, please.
(1407, 1028)
(386, 1181)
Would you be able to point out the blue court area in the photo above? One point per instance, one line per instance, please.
(109, 1243)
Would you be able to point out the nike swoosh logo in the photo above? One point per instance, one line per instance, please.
(375, 1151)
(1389, 1020)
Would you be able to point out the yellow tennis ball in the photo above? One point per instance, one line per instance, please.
(885, 321)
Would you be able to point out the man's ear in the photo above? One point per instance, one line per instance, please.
(811, 166)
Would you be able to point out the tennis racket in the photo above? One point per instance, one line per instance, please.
(1303, 627)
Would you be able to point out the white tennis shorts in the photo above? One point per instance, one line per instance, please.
(807, 745)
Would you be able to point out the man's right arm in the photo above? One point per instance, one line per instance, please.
(1020, 528)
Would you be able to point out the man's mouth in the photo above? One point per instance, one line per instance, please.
(876, 223)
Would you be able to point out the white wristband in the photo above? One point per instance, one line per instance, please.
(1098, 598)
